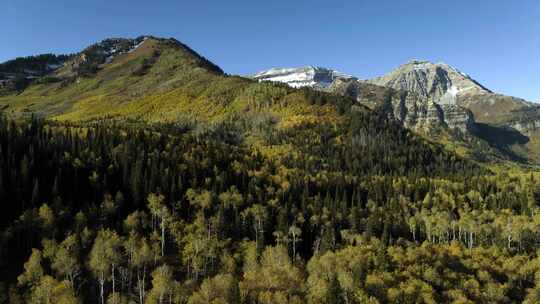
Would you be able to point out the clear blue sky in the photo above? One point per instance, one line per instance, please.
(495, 41)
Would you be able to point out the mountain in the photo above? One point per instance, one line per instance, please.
(119, 77)
(516, 121)
(435, 99)
(158, 80)
(445, 84)
(413, 110)
(439, 85)
(309, 76)
(155, 79)
(156, 177)
(117, 50)
(437, 81)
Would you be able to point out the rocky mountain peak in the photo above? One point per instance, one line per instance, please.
(439, 82)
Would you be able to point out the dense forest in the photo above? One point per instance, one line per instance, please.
(364, 212)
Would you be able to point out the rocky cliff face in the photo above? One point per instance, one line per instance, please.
(412, 110)
(453, 89)
(419, 113)
(431, 80)
(89, 60)
(309, 76)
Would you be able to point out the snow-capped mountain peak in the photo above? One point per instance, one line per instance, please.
(308, 76)
(438, 81)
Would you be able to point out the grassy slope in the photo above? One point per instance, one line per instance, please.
(170, 87)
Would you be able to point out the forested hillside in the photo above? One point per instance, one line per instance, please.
(193, 213)
(140, 173)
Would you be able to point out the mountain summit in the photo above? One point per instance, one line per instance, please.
(113, 77)
(444, 84)
(438, 81)
(116, 51)
(309, 76)
(106, 61)
(413, 110)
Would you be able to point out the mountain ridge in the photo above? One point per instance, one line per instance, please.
(444, 83)
(163, 80)
(307, 76)
(426, 96)
(83, 63)
(442, 74)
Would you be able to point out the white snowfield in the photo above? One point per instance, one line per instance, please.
(308, 76)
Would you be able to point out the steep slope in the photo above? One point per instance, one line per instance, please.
(436, 100)
(309, 76)
(513, 118)
(445, 84)
(118, 77)
(499, 109)
(412, 110)
(17, 74)
(441, 85)
(93, 58)
(162, 80)
(437, 81)
(157, 80)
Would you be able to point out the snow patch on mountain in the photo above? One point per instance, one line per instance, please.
(309, 76)
(52, 67)
(138, 44)
(453, 91)
(109, 49)
(440, 82)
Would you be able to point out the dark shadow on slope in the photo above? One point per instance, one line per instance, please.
(502, 139)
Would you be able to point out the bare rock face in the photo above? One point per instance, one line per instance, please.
(430, 80)
(457, 117)
(419, 113)
(88, 61)
(419, 94)
(455, 91)
(413, 111)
